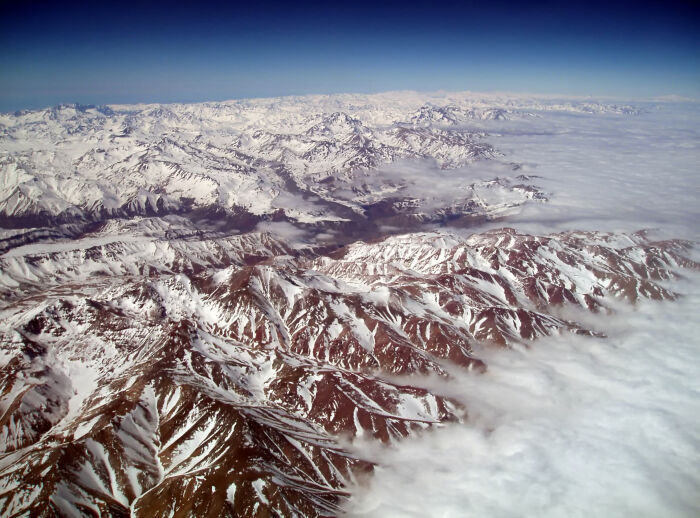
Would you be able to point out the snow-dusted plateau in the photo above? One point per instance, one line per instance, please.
(224, 309)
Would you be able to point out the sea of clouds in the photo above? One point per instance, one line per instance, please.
(576, 426)
(609, 172)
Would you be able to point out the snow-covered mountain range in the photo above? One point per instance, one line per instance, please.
(299, 159)
(202, 305)
(150, 375)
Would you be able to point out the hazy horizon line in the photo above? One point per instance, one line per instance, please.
(440, 92)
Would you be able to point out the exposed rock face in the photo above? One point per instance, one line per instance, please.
(150, 370)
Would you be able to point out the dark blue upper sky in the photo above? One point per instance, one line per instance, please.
(115, 52)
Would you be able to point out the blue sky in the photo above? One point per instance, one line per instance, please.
(115, 52)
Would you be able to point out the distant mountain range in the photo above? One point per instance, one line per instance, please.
(298, 159)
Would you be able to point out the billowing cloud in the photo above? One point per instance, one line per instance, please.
(571, 427)
(609, 172)
(576, 426)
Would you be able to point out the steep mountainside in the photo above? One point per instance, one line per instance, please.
(148, 375)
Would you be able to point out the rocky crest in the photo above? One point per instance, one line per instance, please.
(145, 374)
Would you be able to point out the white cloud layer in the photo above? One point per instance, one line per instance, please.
(577, 426)
(610, 172)
(573, 427)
